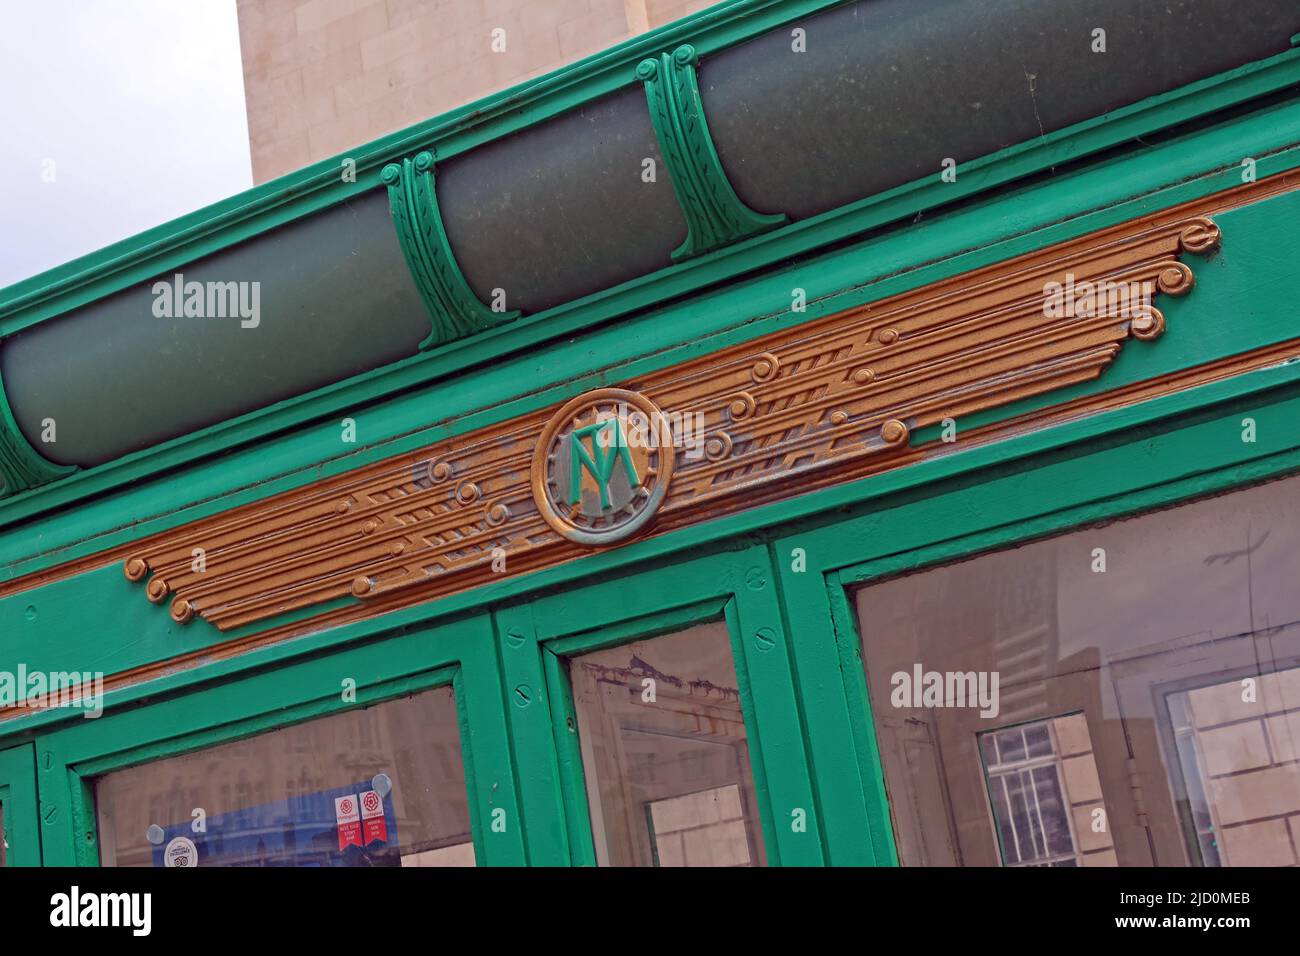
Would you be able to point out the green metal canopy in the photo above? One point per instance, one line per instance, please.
(740, 137)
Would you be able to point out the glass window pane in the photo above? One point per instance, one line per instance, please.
(1122, 694)
(665, 754)
(380, 786)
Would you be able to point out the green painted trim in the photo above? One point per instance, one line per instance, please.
(452, 305)
(756, 252)
(715, 216)
(769, 824)
(845, 625)
(548, 833)
(836, 772)
(776, 716)
(636, 627)
(22, 466)
(1000, 227)
(572, 776)
(463, 726)
(21, 833)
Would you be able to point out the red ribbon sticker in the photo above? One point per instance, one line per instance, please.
(372, 817)
(348, 818)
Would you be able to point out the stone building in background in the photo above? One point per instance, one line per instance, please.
(323, 76)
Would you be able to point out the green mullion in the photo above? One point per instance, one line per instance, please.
(525, 691)
(572, 776)
(486, 742)
(18, 801)
(762, 647)
(864, 731)
(769, 824)
(833, 752)
(61, 801)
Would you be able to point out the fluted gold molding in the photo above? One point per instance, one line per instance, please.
(789, 412)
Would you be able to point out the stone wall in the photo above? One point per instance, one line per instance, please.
(324, 76)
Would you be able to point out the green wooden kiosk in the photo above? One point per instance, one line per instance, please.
(812, 433)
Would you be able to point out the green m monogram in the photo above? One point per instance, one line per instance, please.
(608, 446)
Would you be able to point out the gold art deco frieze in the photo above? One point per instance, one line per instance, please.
(822, 402)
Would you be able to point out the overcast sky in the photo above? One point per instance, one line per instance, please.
(133, 108)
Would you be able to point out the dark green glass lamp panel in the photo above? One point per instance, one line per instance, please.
(561, 210)
(335, 299)
(888, 89)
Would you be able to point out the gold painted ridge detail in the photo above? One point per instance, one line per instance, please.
(1182, 380)
(827, 396)
(256, 542)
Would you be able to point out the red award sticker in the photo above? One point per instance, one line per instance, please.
(372, 818)
(348, 818)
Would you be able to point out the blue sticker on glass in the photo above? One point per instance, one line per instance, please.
(346, 826)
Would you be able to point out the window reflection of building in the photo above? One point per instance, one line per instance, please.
(1237, 745)
(1145, 658)
(1045, 795)
(414, 740)
(665, 753)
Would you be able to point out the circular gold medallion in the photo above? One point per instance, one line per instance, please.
(602, 466)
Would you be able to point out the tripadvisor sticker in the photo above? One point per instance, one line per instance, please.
(181, 852)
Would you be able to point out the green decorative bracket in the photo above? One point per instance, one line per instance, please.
(715, 216)
(453, 308)
(21, 466)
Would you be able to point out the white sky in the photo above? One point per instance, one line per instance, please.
(138, 104)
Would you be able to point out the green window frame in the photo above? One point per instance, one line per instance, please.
(399, 664)
(736, 587)
(18, 806)
(1170, 450)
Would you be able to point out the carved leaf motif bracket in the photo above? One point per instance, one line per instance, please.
(21, 465)
(823, 402)
(715, 216)
(453, 307)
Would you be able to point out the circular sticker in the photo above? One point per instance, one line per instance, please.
(181, 851)
(602, 466)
